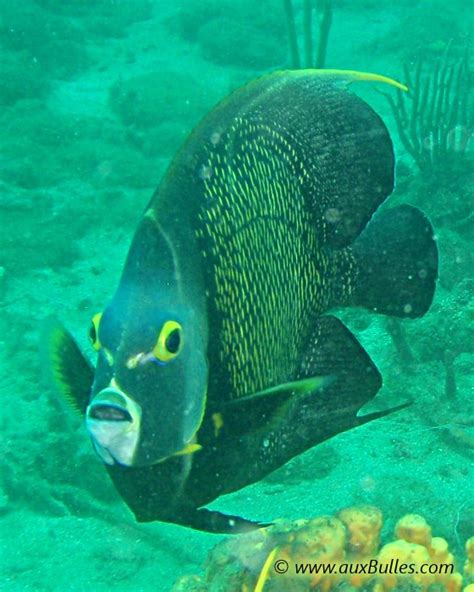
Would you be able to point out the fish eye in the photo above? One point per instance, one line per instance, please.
(94, 331)
(170, 342)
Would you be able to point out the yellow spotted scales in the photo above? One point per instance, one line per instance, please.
(265, 292)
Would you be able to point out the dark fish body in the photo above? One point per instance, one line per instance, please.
(262, 224)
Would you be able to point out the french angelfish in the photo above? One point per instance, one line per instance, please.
(218, 359)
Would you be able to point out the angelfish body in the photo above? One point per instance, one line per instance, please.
(217, 363)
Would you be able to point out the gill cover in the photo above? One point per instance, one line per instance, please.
(152, 340)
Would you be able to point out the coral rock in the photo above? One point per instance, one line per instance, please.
(413, 529)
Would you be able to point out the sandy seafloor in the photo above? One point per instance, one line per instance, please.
(76, 170)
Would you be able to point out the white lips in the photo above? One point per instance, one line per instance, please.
(103, 453)
(114, 441)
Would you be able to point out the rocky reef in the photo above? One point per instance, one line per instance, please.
(346, 552)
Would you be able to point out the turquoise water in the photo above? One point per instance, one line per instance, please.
(96, 97)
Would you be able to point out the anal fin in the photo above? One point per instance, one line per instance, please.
(216, 522)
(331, 350)
(334, 350)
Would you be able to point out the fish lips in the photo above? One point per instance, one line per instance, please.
(113, 421)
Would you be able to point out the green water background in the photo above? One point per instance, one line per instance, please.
(95, 98)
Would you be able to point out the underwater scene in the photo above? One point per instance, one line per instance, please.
(236, 286)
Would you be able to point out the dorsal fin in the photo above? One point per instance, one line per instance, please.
(344, 147)
(350, 76)
(327, 138)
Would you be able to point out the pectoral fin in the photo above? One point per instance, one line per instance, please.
(277, 395)
(65, 366)
(267, 406)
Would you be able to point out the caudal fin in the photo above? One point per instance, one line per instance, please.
(397, 261)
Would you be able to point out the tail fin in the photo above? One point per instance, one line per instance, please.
(397, 261)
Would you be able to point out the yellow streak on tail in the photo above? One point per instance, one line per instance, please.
(352, 76)
(262, 578)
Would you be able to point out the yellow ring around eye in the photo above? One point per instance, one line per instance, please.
(94, 331)
(170, 342)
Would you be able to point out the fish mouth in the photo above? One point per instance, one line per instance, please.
(113, 421)
(108, 412)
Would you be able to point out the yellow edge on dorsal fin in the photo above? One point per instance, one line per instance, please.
(352, 76)
(263, 576)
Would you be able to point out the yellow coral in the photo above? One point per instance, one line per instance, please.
(439, 549)
(402, 553)
(414, 529)
(363, 524)
(469, 565)
(454, 583)
(321, 540)
(470, 549)
(439, 553)
(346, 543)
